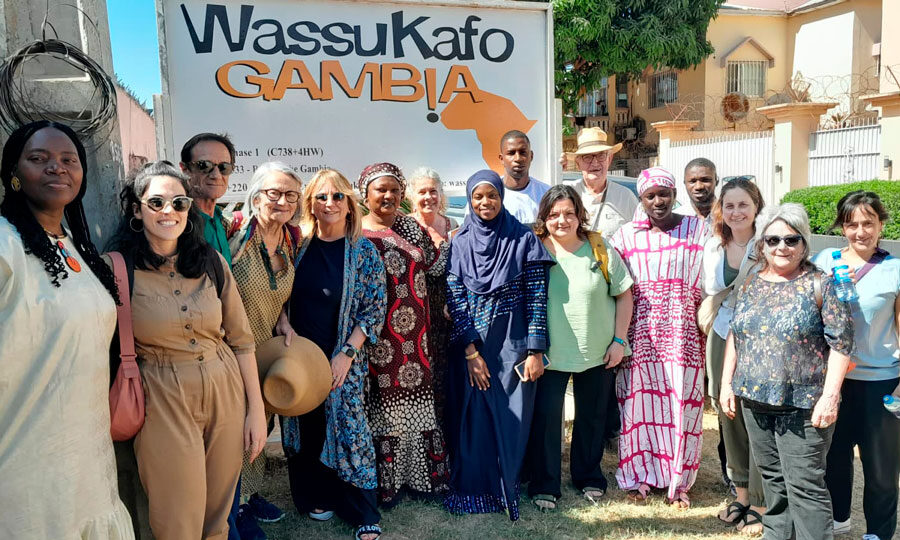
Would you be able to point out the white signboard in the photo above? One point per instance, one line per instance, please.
(343, 84)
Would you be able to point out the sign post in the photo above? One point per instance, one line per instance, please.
(342, 84)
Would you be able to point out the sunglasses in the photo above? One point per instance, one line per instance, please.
(274, 195)
(205, 166)
(182, 203)
(774, 241)
(335, 197)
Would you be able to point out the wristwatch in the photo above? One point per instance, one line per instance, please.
(349, 350)
(620, 341)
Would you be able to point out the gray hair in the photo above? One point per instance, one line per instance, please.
(793, 215)
(423, 173)
(256, 184)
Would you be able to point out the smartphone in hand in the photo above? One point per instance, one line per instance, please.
(520, 367)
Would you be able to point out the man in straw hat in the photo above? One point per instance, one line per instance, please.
(609, 205)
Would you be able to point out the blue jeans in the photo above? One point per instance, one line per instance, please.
(232, 517)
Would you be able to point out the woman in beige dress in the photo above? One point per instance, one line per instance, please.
(57, 317)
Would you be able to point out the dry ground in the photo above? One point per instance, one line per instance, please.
(614, 518)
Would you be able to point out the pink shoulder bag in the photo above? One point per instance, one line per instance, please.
(126, 396)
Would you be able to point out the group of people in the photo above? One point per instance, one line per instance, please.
(451, 346)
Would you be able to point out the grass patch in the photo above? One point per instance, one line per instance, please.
(615, 518)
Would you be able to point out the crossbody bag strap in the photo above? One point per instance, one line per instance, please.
(743, 272)
(129, 365)
(817, 289)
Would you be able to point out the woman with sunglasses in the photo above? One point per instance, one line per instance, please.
(727, 255)
(263, 252)
(785, 360)
(409, 442)
(862, 419)
(196, 354)
(338, 303)
(57, 317)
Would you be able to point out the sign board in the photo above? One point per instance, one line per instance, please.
(343, 84)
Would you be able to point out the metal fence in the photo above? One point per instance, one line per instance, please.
(740, 153)
(839, 156)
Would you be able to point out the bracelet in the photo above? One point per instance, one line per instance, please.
(349, 350)
(620, 341)
(473, 356)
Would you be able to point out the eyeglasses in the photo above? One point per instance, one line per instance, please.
(790, 240)
(182, 203)
(598, 156)
(274, 195)
(335, 197)
(205, 166)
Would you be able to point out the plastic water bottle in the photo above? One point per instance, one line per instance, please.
(843, 285)
(892, 404)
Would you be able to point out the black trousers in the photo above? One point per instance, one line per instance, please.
(592, 389)
(316, 486)
(863, 421)
(790, 454)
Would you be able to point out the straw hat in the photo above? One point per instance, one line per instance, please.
(294, 379)
(592, 140)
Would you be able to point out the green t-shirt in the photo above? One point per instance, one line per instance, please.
(215, 234)
(581, 309)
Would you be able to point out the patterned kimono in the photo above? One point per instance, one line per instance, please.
(660, 389)
(348, 445)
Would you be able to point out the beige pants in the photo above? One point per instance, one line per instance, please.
(189, 450)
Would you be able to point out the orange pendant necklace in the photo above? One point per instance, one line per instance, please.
(71, 261)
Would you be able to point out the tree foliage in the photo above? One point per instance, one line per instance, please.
(597, 38)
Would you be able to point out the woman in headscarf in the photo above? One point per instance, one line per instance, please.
(497, 295)
(660, 388)
(409, 443)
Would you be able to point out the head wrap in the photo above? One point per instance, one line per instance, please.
(376, 171)
(486, 255)
(652, 177)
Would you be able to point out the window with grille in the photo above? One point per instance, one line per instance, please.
(621, 91)
(663, 88)
(747, 77)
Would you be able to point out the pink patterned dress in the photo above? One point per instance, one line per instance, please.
(660, 388)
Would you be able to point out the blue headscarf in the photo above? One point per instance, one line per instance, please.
(486, 255)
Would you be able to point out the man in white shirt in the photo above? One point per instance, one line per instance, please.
(523, 193)
(700, 180)
(609, 205)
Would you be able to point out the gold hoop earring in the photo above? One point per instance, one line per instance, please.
(15, 183)
(191, 223)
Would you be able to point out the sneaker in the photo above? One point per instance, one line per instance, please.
(870, 537)
(842, 527)
(247, 527)
(263, 510)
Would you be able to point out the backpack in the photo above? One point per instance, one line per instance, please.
(601, 255)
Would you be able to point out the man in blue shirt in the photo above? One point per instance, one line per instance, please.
(208, 158)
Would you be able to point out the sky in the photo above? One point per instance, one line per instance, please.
(135, 48)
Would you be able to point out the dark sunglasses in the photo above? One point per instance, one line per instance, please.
(182, 203)
(274, 195)
(205, 166)
(773, 240)
(335, 197)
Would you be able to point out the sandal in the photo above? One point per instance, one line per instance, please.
(751, 517)
(544, 502)
(324, 515)
(642, 493)
(367, 529)
(681, 500)
(593, 494)
(735, 508)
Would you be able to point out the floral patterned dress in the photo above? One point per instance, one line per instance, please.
(409, 444)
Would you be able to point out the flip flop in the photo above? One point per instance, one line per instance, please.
(367, 529)
(734, 508)
(593, 494)
(321, 516)
(751, 517)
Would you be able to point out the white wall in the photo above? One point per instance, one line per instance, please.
(823, 52)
